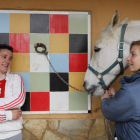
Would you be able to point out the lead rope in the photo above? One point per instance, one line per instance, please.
(45, 52)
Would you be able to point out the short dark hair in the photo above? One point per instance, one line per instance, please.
(135, 43)
(5, 46)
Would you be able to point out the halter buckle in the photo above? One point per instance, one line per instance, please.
(119, 59)
(122, 46)
(99, 76)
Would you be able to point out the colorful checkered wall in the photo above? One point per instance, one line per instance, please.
(67, 37)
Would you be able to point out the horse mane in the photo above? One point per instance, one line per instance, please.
(131, 23)
(134, 23)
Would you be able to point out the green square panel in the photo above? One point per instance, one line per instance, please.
(38, 38)
(78, 101)
(39, 82)
(78, 24)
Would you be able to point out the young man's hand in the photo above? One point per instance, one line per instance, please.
(16, 113)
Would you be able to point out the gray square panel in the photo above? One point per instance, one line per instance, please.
(4, 38)
(78, 43)
(39, 23)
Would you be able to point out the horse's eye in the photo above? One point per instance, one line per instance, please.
(96, 49)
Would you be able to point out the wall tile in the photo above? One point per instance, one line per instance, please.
(59, 43)
(58, 23)
(39, 82)
(38, 63)
(40, 101)
(59, 62)
(78, 101)
(78, 62)
(19, 23)
(56, 84)
(20, 62)
(39, 23)
(4, 22)
(59, 101)
(20, 42)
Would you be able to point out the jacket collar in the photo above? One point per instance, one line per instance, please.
(129, 79)
(7, 73)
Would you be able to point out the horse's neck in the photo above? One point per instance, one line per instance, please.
(132, 32)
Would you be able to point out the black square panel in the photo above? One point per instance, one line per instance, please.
(26, 106)
(39, 23)
(89, 111)
(4, 38)
(78, 43)
(56, 84)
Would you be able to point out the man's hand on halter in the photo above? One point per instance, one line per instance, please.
(106, 95)
(16, 113)
(109, 93)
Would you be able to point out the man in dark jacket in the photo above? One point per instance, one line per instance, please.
(124, 107)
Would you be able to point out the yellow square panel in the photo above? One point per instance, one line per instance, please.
(21, 62)
(76, 80)
(19, 23)
(59, 43)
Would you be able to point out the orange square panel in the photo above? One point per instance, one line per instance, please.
(19, 23)
(76, 80)
(59, 43)
(21, 62)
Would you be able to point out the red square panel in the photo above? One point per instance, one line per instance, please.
(78, 62)
(40, 101)
(20, 42)
(58, 23)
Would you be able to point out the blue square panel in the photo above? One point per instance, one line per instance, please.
(59, 62)
(4, 23)
(26, 79)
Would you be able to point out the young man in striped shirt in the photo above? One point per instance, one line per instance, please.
(12, 96)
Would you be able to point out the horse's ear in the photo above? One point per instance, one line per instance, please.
(115, 21)
(113, 24)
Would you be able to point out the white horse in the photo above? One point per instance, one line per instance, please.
(106, 52)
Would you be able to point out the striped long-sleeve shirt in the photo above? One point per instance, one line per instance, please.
(14, 96)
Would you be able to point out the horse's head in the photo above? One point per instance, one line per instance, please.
(105, 54)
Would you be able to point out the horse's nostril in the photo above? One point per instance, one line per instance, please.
(84, 84)
(91, 89)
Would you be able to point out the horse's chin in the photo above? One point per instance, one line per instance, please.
(97, 93)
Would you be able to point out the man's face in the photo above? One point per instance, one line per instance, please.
(134, 58)
(6, 57)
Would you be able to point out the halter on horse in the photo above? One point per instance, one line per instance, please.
(118, 61)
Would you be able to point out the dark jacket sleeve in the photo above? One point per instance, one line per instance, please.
(120, 108)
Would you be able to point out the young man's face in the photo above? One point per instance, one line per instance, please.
(134, 58)
(6, 57)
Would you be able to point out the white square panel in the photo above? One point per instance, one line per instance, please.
(81, 111)
(59, 101)
(35, 112)
(59, 112)
(89, 102)
(38, 63)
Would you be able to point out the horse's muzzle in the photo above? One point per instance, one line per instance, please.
(92, 89)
